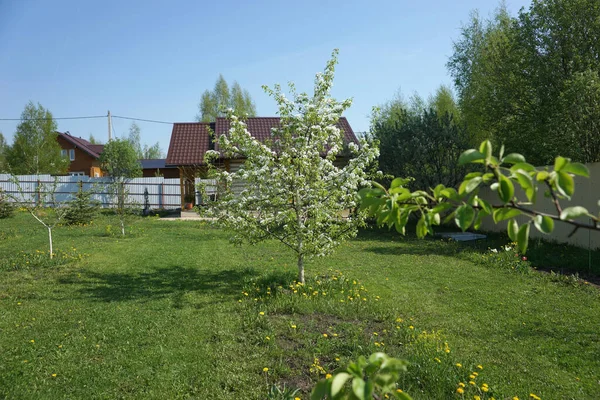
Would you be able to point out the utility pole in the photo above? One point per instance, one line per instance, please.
(109, 126)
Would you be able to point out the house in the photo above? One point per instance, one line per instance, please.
(191, 140)
(82, 154)
(158, 167)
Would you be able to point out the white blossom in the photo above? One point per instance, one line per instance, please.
(293, 192)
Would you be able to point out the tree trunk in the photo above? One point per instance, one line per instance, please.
(301, 268)
(50, 240)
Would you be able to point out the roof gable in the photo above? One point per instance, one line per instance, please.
(93, 150)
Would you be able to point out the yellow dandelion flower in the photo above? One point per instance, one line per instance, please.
(479, 366)
(460, 390)
(534, 397)
(461, 384)
(335, 335)
(411, 327)
(32, 341)
(54, 375)
(261, 313)
(325, 335)
(459, 365)
(293, 326)
(471, 383)
(337, 359)
(476, 397)
(485, 388)
(268, 338)
(471, 377)
(437, 359)
(476, 373)
(327, 376)
(399, 390)
(265, 369)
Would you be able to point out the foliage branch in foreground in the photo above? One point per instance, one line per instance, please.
(372, 378)
(502, 173)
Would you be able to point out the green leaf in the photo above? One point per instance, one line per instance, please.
(486, 149)
(501, 214)
(565, 184)
(470, 156)
(513, 158)
(470, 185)
(338, 382)
(421, 228)
(542, 176)
(441, 208)
(481, 214)
(362, 390)
(485, 205)
(523, 238)
(573, 212)
(464, 216)
(577, 169)
(320, 390)
(513, 229)
(506, 190)
(524, 179)
(544, 223)
(560, 163)
(488, 177)
(399, 182)
(524, 166)
(450, 193)
(472, 175)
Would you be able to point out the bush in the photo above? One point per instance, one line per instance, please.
(6, 208)
(82, 209)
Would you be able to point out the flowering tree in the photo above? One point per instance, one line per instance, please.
(294, 191)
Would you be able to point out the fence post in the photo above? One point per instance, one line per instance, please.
(162, 194)
(39, 194)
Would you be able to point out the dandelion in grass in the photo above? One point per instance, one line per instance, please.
(328, 376)
(265, 369)
(261, 313)
(460, 390)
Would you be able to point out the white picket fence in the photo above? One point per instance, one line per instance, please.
(162, 193)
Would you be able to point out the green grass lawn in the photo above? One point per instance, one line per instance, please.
(163, 313)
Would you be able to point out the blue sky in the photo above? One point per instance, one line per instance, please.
(152, 60)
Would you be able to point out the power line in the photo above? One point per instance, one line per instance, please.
(46, 119)
(144, 120)
(88, 117)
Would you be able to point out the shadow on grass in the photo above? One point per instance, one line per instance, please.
(176, 283)
(543, 255)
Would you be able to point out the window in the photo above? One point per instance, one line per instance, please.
(78, 173)
(63, 153)
(72, 154)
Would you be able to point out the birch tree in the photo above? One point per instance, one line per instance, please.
(294, 190)
(42, 205)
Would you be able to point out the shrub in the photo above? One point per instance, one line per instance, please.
(82, 209)
(6, 208)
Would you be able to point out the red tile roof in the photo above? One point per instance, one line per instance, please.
(93, 150)
(189, 141)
